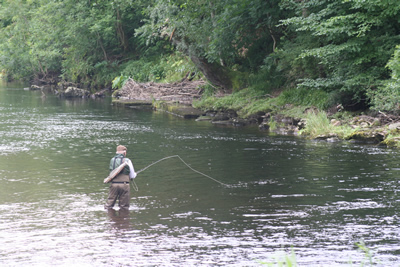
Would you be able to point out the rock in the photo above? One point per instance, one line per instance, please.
(394, 126)
(326, 137)
(367, 136)
(264, 126)
(335, 122)
(376, 122)
(221, 117)
(240, 122)
(134, 104)
(391, 142)
(180, 110)
(36, 87)
(99, 94)
(76, 92)
(301, 124)
(333, 140)
(204, 118)
(224, 122)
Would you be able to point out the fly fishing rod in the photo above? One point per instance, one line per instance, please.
(187, 165)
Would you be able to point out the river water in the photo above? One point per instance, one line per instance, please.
(260, 198)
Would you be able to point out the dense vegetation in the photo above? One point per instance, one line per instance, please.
(321, 53)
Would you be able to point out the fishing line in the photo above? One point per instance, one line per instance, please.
(134, 186)
(187, 165)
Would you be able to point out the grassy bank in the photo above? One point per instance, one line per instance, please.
(250, 101)
(322, 117)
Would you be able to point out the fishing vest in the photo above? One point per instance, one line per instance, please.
(123, 176)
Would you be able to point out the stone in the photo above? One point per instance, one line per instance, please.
(224, 122)
(367, 136)
(204, 118)
(76, 92)
(36, 87)
(264, 126)
(394, 126)
(335, 122)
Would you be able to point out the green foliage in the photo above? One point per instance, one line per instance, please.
(208, 91)
(368, 253)
(331, 51)
(246, 102)
(350, 40)
(177, 66)
(168, 68)
(387, 96)
(79, 41)
(305, 97)
(235, 34)
(119, 81)
(269, 78)
(317, 123)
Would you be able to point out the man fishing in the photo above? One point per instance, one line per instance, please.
(119, 187)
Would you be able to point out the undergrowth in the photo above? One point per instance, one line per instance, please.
(245, 102)
(250, 101)
(318, 123)
(164, 69)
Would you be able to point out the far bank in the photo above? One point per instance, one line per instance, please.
(271, 113)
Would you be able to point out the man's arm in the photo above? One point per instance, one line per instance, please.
(132, 173)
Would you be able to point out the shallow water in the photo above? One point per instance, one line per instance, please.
(284, 192)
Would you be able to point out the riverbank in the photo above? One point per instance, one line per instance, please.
(183, 100)
(269, 113)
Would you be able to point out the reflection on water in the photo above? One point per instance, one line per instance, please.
(285, 192)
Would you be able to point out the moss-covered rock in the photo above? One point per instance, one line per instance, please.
(366, 136)
(136, 104)
(391, 142)
(184, 111)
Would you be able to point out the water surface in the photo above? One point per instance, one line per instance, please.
(284, 192)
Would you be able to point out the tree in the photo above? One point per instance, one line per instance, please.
(219, 36)
(79, 41)
(14, 38)
(350, 40)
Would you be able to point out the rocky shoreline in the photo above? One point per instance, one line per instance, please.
(177, 99)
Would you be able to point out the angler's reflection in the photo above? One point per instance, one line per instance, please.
(120, 219)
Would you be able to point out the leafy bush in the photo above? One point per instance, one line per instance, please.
(387, 97)
(169, 68)
(176, 66)
(119, 81)
(268, 78)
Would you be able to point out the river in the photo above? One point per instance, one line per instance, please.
(254, 199)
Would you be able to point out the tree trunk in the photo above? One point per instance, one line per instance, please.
(215, 73)
(120, 32)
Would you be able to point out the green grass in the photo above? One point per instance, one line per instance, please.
(251, 101)
(305, 97)
(318, 123)
(245, 102)
(392, 139)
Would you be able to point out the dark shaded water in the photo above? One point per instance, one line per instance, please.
(317, 198)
